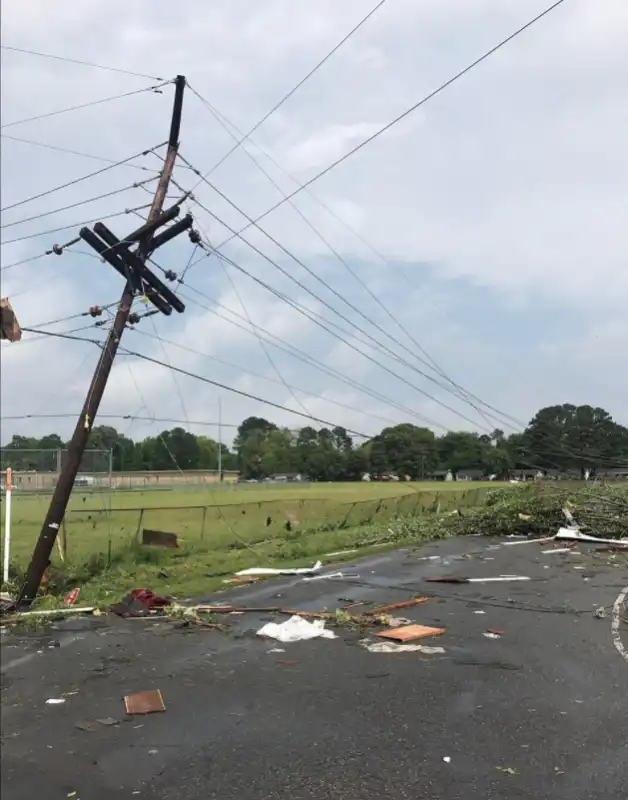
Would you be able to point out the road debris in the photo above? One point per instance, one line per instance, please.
(396, 606)
(71, 599)
(397, 622)
(499, 579)
(296, 629)
(491, 635)
(508, 770)
(408, 633)
(57, 612)
(152, 538)
(395, 647)
(447, 759)
(496, 631)
(529, 541)
(557, 550)
(92, 725)
(344, 575)
(271, 571)
(55, 701)
(340, 553)
(242, 579)
(150, 702)
(578, 536)
(600, 612)
(141, 603)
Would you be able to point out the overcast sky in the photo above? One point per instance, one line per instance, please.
(490, 224)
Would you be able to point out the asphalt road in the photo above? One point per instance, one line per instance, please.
(541, 711)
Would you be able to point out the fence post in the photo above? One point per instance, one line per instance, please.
(139, 525)
(204, 515)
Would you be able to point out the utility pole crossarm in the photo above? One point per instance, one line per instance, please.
(133, 267)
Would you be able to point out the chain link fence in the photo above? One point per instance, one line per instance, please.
(38, 470)
(102, 528)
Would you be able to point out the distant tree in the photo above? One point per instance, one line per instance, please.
(574, 437)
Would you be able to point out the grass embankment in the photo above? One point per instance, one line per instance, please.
(220, 531)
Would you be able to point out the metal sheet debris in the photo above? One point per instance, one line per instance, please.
(296, 629)
(271, 571)
(499, 579)
(394, 647)
(331, 575)
(529, 541)
(408, 633)
(150, 702)
(578, 536)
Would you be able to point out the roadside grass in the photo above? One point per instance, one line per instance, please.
(220, 533)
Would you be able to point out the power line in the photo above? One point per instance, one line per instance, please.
(301, 355)
(79, 203)
(41, 334)
(138, 418)
(82, 178)
(402, 116)
(298, 86)
(428, 361)
(324, 327)
(66, 228)
(263, 347)
(82, 63)
(75, 152)
(285, 272)
(259, 376)
(239, 392)
(88, 313)
(155, 89)
(461, 393)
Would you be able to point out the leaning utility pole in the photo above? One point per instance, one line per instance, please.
(138, 280)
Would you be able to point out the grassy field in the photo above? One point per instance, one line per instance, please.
(219, 530)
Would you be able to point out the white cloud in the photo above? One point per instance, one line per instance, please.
(510, 185)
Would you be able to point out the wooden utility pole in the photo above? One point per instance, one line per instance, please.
(138, 280)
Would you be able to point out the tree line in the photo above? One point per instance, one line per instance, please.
(559, 440)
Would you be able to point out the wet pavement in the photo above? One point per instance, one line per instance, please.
(541, 711)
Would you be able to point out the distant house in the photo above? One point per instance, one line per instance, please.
(525, 474)
(470, 475)
(614, 474)
(440, 475)
(437, 475)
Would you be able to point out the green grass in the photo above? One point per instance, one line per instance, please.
(219, 530)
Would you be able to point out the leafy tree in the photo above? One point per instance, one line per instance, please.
(574, 437)
(405, 450)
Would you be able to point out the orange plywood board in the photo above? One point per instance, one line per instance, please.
(144, 702)
(409, 633)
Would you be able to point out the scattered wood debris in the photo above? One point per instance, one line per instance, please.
(150, 702)
(408, 633)
(152, 538)
(396, 606)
